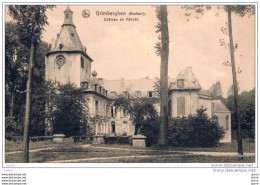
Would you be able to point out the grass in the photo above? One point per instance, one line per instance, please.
(181, 159)
(17, 146)
(223, 147)
(70, 150)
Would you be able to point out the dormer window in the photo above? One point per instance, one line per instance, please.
(67, 15)
(61, 46)
(84, 84)
(180, 83)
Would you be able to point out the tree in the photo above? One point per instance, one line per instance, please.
(67, 109)
(247, 112)
(240, 10)
(163, 50)
(139, 109)
(157, 86)
(32, 19)
(15, 62)
(216, 91)
(196, 130)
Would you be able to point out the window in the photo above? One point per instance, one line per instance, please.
(215, 119)
(113, 125)
(180, 83)
(138, 94)
(170, 107)
(227, 123)
(82, 62)
(96, 107)
(67, 15)
(124, 113)
(150, 94)
(112, 112)
(180, 106)
(60, 61)
(126, 94)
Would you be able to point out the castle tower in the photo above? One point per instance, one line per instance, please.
(68, 60)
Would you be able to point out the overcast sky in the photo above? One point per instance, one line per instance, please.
(126, 48)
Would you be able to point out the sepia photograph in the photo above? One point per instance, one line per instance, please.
(136, 84)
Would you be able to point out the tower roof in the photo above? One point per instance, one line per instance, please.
(68, 9)
(68, 40)
(190, 82)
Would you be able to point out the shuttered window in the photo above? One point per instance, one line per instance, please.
(180, 106)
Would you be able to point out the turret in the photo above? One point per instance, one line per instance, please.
(68, 17)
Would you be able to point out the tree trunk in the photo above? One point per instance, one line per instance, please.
(12, 104)
(164, 75)
(231, 45)
(28, 105)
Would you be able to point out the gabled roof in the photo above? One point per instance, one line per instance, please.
(190, 81)
(218, 106)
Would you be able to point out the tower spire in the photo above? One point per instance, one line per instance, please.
(68, 17)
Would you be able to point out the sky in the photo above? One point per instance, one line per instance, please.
(125, 49)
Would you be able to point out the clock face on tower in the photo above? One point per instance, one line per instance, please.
(60, 60)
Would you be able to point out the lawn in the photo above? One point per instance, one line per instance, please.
(17, 146)
(69, 150)
(223, 147)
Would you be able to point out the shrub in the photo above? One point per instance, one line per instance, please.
(12, 127)
(194, 131)
(150, 129)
